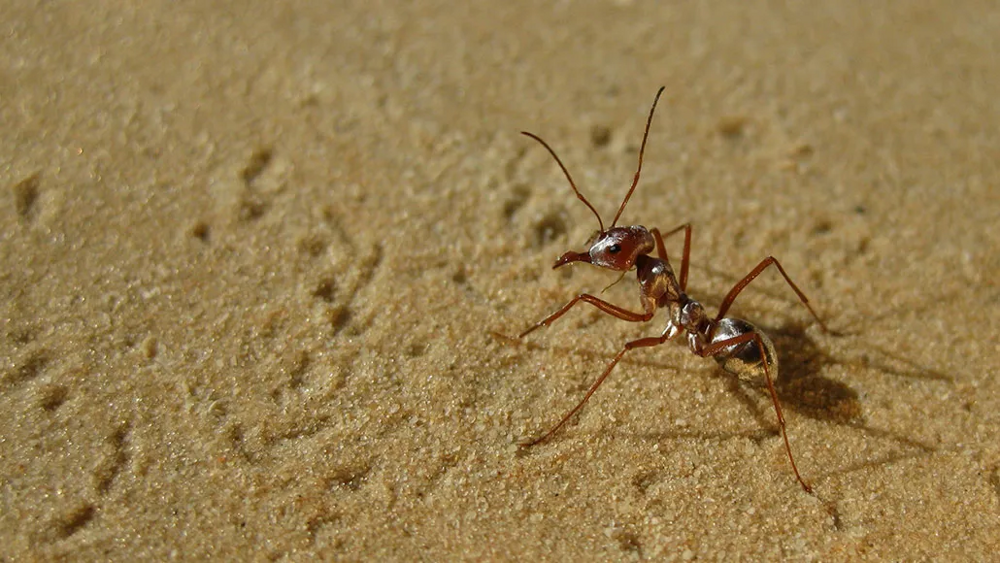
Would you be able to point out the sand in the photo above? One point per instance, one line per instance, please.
(259, 263)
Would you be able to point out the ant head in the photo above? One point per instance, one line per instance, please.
(618, 247)
(615, 249)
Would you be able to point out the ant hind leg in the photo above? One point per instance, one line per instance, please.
(718, 348)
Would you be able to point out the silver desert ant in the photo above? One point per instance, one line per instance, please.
(738, 346)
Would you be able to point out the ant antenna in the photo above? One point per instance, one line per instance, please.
(642, 149)
(614, 283)
(573, 185)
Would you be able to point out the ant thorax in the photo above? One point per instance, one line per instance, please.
(657, 282)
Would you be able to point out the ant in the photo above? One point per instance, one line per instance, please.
(738, 346)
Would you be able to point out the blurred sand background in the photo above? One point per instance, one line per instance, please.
(252, 254)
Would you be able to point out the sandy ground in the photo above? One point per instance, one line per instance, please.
(252, 262)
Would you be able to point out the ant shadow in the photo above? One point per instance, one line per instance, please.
(801, 387)
(800, 384)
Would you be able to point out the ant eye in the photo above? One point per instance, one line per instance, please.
(615, 248)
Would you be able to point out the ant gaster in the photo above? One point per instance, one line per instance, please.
(738, 346)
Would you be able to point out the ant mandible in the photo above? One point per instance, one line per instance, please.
(738, 346)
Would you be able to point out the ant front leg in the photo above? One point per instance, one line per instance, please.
(735, 291)
(613, 310)
(661, 250)
(641, 343)
(719, 350)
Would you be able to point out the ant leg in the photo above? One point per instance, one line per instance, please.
(661, 250)
(613, 310)
(642, 342)
(717, 347)
(728, 301)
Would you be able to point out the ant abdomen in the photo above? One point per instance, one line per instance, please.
(744, 359)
